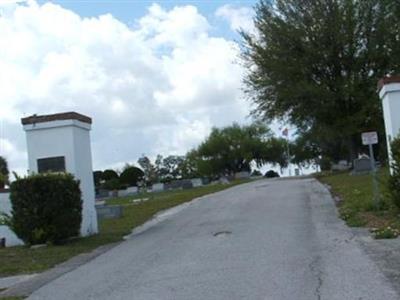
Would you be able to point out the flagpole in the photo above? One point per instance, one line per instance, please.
(288, 153)
(285, 133)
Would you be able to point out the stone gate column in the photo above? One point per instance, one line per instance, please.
(61, 143)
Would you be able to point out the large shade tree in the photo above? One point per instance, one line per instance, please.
(232, 149)
(131, 175)
(149, 169)
(316, 64)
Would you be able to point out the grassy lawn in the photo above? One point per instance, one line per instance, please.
(22, 260)
(357, 206)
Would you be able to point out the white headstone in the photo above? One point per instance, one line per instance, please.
(389, 92)
(132, 190)
(196, 182)
(5, 207)
(242, 175)
(158, 187)
(61, 142)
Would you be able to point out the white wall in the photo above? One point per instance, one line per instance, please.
(390, 95)
(5, 232)
(71, 139)
(84, 172)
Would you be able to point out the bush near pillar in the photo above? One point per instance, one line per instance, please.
(394, 179)
(45, 208)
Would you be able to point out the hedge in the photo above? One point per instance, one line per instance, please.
(45, 208)
(394, 179)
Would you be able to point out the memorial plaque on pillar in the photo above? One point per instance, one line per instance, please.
(61, 143)
(51, 164)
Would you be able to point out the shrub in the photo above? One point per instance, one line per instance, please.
(112, 184)
(385, 233)
(97, 177)
(325, 163)
(271, 174)
(109, 174)
(256, 173)
(131, 175)
(394, 179)
(45, 208)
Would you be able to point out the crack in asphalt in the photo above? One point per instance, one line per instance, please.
(315, 269)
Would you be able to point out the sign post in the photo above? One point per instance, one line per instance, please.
(371, 138)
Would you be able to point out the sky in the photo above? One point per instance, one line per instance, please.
(155, 76)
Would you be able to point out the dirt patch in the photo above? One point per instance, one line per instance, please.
(374, 221)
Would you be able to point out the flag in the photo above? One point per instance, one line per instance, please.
(285, 132)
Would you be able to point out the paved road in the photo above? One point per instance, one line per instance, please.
(263, 240)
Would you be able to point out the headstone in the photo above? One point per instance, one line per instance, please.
(196, 182)
(223, 180)
(102, 193)
(61, 142)
(242, 175)
(186, 184)
(158, 187)
(122, 193)
(342, 165)
(10, 239)
(132, 190)
(362, 165)
(105, 211)
(179, 184)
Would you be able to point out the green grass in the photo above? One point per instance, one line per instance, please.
(357, 206)
(21, 260)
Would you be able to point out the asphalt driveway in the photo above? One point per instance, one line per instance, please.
(269, 239)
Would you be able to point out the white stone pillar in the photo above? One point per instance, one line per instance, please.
(61, 142)
(389, 92)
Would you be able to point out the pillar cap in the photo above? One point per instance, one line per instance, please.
(387, 80)
(56, 117)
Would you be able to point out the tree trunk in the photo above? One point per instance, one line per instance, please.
(352, 148)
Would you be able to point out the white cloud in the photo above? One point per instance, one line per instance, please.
(13, 154)
(238, 17)
(156, 88)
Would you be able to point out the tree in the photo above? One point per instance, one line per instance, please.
(304, 152)
(109, 174)
(150, 172)
(131, 175)
(111, 180)
(275, 152)
(4, 172)
(97, 178)
(316, 64)
(256, 173)
(233, 149)
(189, 166)
(173, 167)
